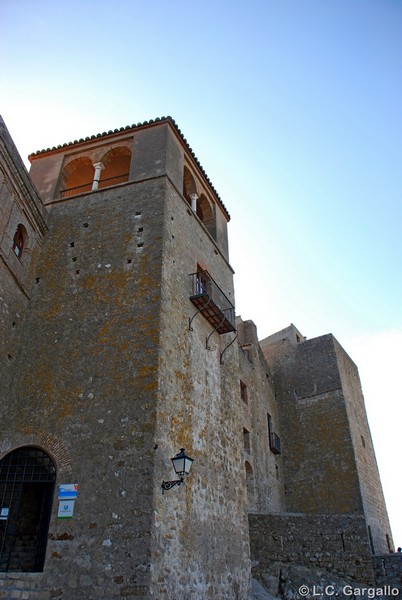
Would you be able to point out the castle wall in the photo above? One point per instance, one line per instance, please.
(369, 479)
(111, 383)
(320, 470)
(19, 205)
(200, 528)
(87, 378)
(325, 545)
(264, 469)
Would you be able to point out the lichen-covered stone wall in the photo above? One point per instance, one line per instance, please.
(200, 528)
(87, 376)
(111, 383)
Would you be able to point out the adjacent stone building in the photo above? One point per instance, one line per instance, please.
(120, 346)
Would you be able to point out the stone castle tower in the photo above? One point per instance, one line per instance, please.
(119, 347)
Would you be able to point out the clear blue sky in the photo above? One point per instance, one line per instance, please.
(293, 107)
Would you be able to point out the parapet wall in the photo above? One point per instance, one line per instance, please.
(388, 570)
(337, 544)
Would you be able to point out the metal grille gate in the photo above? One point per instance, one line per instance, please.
(27, 480)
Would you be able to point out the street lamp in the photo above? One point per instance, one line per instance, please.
(182, 465)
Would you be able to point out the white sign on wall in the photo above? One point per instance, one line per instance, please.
(66, 509)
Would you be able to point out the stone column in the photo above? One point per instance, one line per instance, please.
(194, 198)
(98, 168)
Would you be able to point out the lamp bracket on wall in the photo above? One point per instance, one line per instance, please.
(167, 485)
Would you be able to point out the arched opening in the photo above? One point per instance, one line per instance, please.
(27, 480)
(77, 177)
(116, 164)
(205, 213)
(19, 241)
(249, 484)
(189, 186)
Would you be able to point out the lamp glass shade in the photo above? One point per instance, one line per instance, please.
(182, 463)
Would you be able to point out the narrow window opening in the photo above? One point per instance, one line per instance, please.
(37, 279)
(243, 392)
(250, 484)
(363, 441)
(371, 539)
(18, 242)
(246, 438)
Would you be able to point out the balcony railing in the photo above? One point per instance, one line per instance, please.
(79, 189)
(274, 443)
(210, 300)
(87, 187)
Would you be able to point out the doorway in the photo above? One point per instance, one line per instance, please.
(27, 481)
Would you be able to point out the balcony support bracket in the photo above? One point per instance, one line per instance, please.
(212, 332)
(228, 346)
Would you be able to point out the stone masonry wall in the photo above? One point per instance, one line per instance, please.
(369, 478)
(388, 570)
(201, 527)
(334, 544)
(85, 381)
(19, 205)
(319, 463)
(264, 469)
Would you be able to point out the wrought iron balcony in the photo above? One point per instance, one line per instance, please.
(211, 302)
(274, 443)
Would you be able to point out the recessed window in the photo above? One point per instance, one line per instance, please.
(19, 241)
(247, 444)
(243, 392)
